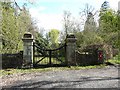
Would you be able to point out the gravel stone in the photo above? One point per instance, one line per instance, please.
(107, 77)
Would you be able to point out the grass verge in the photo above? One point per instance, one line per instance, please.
(115, 60)
(6, 72)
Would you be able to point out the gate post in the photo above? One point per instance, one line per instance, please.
(70, 49)
(27, 50)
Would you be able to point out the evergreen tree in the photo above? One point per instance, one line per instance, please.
(15, 22)
(108, 25)
(105, 5)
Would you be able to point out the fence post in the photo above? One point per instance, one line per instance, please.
(27, 50)
(70, 49)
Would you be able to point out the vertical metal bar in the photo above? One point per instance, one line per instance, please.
(33, 54)
(56, 58)
(66, 62)
(50, 56)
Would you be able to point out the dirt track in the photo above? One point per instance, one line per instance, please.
(88, 78)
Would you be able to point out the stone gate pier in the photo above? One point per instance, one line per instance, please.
(27, 50)
(70, 49)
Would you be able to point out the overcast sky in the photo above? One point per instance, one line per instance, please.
(49, 13)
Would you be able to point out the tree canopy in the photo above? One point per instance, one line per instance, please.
(14, 25)
(16, 21)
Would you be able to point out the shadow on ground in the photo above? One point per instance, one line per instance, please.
(51, 85)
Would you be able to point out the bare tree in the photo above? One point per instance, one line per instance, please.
(86, 12)
(66, 21)
(71, 24)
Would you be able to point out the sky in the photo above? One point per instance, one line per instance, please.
(49, 13)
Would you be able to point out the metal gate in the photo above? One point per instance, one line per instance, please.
(49, 57)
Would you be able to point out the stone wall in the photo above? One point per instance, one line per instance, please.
(86, 58)
(12, 60)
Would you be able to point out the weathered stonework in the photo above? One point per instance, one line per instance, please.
(70, 49)
(28, 50)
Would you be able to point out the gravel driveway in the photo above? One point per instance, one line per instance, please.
(88, 78)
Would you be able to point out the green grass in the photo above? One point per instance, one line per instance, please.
(115, 60)
(5, 72)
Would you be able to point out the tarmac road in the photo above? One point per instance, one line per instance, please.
(88, 78)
